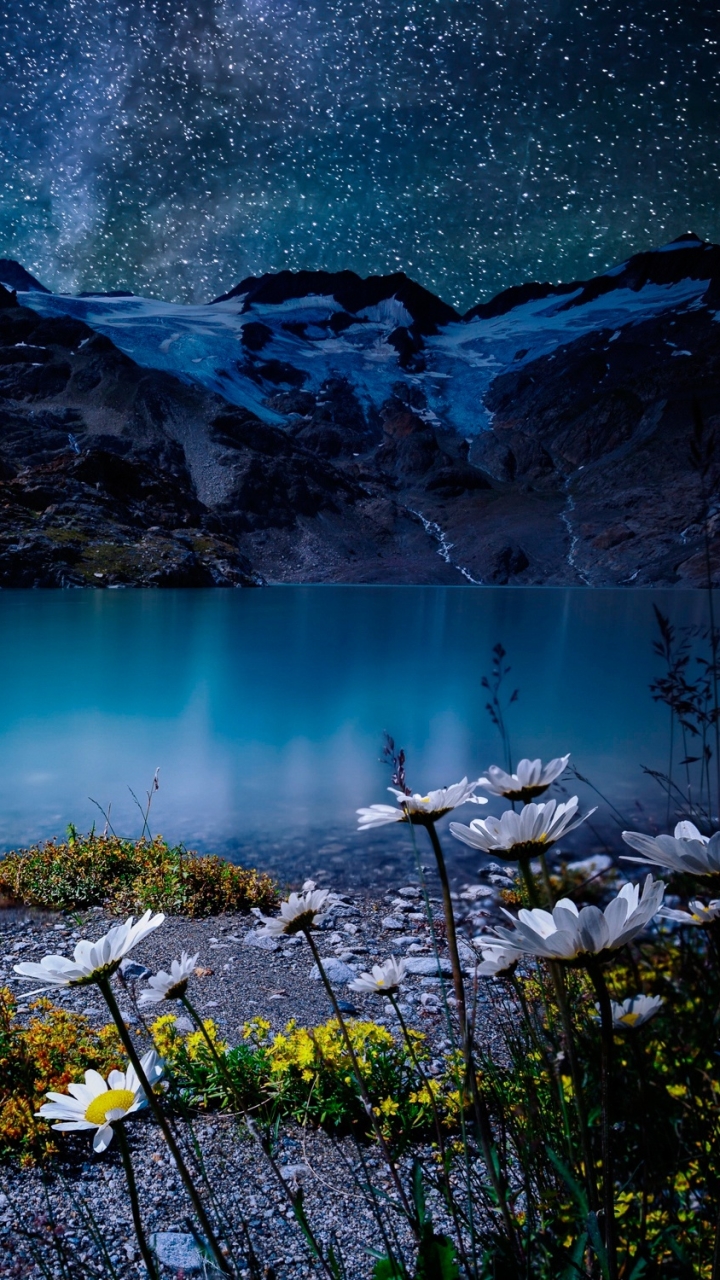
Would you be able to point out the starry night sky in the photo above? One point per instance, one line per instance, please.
(173, 148)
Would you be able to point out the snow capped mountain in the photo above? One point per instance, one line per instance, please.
(315, 426)
(293, 331)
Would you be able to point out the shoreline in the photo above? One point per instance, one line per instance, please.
(236, 980)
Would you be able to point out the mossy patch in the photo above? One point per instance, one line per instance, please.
(131, 875)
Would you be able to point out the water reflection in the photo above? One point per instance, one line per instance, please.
(265, 709)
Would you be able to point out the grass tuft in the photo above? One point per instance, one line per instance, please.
(130, 875)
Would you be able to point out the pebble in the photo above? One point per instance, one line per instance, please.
(336, 970)
(295, 1172)
(392, 922)
(425, 966)
(261, 940)
(406, 940)
(177, 1251)
(132, 971)
(468, 956)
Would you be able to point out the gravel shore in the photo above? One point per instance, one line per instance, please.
(238, 976)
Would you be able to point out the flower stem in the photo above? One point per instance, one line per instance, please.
(450, 1200)
(252, 1130)
(361, 1086)
(482, 1117)
(569, 1037)
(154, 1105)
(606, 1031)
(529, 879)
(547, 881)
(145, 1249)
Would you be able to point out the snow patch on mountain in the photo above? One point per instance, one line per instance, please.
(247, 351)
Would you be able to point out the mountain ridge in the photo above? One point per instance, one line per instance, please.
(361, 430)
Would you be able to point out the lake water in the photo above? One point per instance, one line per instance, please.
(265, 709)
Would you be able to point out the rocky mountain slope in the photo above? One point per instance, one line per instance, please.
(318, 427)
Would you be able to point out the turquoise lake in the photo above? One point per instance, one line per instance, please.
(265, 710)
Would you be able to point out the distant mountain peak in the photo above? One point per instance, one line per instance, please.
(14, 276)
(353, 293)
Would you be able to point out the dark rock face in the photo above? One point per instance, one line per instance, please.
(610, 424)
(13, 276)
(332, 424)
(93, 489)
(112, 474)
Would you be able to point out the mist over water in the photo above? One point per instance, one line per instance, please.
(265, 710)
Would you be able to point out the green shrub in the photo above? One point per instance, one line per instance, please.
(130, 875)
(306, 1073)
(51, 1051)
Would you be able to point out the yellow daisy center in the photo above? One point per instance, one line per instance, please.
(113, 1100)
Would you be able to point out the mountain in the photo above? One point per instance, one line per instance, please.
(315, 426)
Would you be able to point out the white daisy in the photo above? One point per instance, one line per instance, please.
(568, 934)
(92, 961)
(417, 809)
(634, 1011)
(497, 958)
(687, 850)
(530, 779)
(521, 835)
(384, 979)
(97, 1104)
(698, 913)
(172, 985)
(299, 912)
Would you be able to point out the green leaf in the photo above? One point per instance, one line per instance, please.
(570, 1181)
(388, 1269)
(597, 1244)
(418, 1193)
(436, 1259)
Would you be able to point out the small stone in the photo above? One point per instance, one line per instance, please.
(392, 922)
(474, 891)
(336, 970)
(427, 965)
(133, 971)
(346, 1007)
(410, 891)
(405, 940)
(429, 1002)
(295, 1172)
(261, 940)
(177, 1251)
(468, 956)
